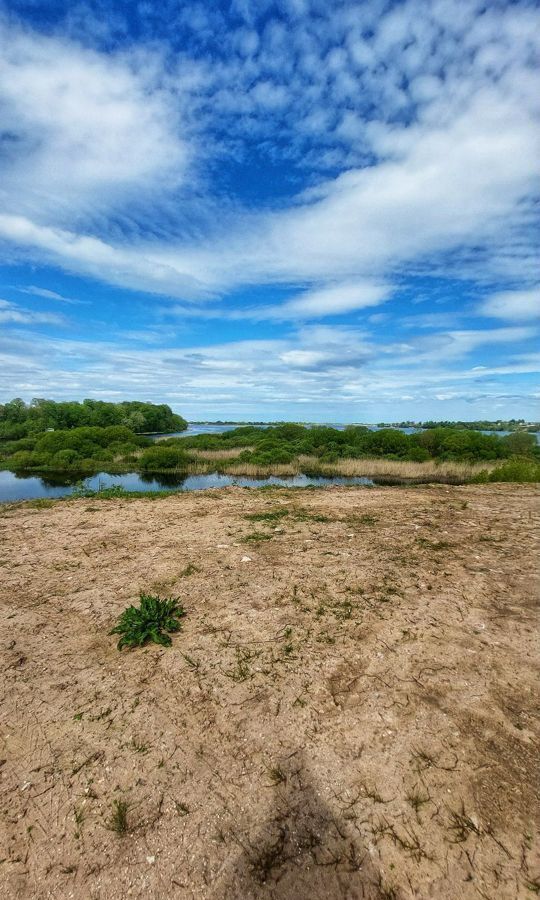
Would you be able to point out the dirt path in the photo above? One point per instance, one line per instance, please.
(350, 713)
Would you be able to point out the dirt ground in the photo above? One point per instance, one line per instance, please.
(349, 712)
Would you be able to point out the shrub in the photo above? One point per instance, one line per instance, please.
(65, 457)
(520, 443)
(28, 459)
(387, 441)
(518, 470)
(149, 622)
(22, 459)
(155, 458)
(102, 454)
(417, 454)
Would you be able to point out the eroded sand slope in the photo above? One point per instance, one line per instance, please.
(352, 713)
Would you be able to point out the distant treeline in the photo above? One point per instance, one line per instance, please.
(19, 420)
(284, 443)
(478, 425)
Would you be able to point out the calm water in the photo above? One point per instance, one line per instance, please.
(14, 487)
(219, 429)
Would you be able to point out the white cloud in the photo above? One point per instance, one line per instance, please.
(513, 305)
(331, 300)
(50, 295)
(82, 130)
(335, 372)
(11, 314)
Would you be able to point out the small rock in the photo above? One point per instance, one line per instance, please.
(246, 559)
(151, 860)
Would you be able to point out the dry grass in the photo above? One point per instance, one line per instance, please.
(203, 462)
(253, 471)
(396, 467)
(230, 453)
(371, 468)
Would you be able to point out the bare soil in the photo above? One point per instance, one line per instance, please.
(352, 712)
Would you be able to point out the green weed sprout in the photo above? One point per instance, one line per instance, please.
(149, 622)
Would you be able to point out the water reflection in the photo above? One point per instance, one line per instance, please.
(18, 486)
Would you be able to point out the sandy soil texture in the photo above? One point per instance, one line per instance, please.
(350, 710)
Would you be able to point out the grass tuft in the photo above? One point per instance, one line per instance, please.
(257, 537)
(118, 821)
(272, 516)
(149, 622)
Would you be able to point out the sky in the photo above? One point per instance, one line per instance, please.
(294, 210)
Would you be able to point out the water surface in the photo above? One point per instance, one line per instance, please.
(21, 487)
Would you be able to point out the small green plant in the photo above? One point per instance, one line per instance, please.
(41, 503)
(149, 622)
(257, 537)
(272, 516)
(78, 814)
(277, 775)
(303, 515)
(365, 519)
(119, 821)
(417, 799)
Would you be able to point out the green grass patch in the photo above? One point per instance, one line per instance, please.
(303, 515)
(118, 821)
(189, 570)
(272, 516)
(257, 537)
(41, 503)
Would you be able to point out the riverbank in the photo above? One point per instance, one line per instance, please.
(350, 705)
(211, 469)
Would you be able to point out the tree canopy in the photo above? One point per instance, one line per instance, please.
(18, 419)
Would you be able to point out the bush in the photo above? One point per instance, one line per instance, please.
(65, 457)
(23, 459)
(515, 470)
(156, 458)
(387, 441)
(417, 454)
(271, 457)
(102, 454)
(520, 443)
(27, 443)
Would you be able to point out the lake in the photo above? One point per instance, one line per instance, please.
(18, 487)
(209, 428)
(193, 429)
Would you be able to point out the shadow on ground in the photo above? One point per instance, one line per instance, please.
(302, 850)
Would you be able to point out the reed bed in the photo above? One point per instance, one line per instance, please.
(229, 453)
(369, 468)
(397, 468)
(250, 470)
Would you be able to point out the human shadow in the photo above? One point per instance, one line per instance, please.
(301, 850)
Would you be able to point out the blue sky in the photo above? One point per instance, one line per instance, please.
(295, 210)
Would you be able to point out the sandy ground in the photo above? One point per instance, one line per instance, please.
(350, 713)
